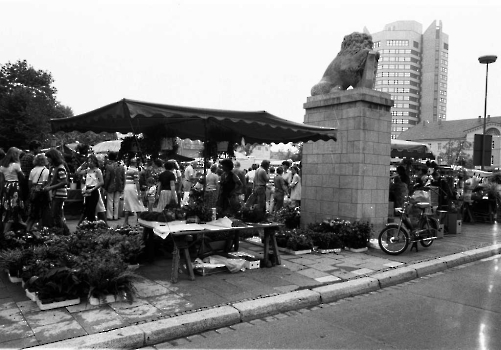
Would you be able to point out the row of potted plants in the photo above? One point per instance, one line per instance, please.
(93, 263)
(327, 235)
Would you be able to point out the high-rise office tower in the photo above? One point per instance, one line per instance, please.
(413, 69)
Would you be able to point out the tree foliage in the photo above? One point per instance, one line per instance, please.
(27, 103)
(454, 153)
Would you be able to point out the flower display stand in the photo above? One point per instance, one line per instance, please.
(57, 304)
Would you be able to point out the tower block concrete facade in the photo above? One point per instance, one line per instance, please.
(348, 179)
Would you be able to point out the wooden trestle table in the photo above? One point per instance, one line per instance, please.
(180, 232)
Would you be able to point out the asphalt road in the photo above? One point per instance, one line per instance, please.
(456, 309)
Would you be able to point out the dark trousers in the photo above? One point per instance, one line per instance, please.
(57, 208)
(90, 206)
(279, 200)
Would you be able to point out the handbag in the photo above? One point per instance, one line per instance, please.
(36, 189)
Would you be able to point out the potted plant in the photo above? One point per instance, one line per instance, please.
(59, 287)
(327, 242)
(300, 241)
(12, 260)
(108, 279)
(356, 235)
(282, 238)
(289, 216)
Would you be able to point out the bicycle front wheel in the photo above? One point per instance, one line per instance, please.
(393, 240)
(431, 231)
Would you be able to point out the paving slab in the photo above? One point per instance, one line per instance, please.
(15, 330)
(171, 303)
(7, 303)
(201, 297)
(11, 315)
(313, 273)
(27, 307)
(323, 267)
(140, 313)
(20, 343)
(44, 318)
(100, 320)
(49, 333)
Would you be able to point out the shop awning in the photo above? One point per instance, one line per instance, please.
(192, 123)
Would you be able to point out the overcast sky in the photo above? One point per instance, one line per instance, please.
(237, 55)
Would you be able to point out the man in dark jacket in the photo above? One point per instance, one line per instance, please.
(114, 185)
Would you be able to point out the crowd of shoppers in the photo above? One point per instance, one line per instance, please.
(34, 186)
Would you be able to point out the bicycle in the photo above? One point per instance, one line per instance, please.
(395, 238)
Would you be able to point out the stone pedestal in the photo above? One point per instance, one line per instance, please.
(348, 179)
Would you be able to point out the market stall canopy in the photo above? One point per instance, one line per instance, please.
(114, 146)
(408, 149)
(192, 123)
(107, 146)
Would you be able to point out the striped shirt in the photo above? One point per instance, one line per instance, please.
(59, 175)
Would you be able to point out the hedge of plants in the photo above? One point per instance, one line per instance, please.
(93, 262)
(329, 234)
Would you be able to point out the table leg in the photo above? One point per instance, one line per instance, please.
(188, 263)
(236, 241)
(148, 243)
(266, 248)
(275, 247)
(175, 264)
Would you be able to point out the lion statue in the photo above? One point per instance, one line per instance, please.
(355, 65)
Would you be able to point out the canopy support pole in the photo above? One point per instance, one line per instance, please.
(205, 156)
(127, 115)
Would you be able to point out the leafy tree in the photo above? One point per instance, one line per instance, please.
(27, 103)
(455, 153)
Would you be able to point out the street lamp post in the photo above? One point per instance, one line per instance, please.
(485, 60)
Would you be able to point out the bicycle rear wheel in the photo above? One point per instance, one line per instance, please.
(431, 231)
(393, 240)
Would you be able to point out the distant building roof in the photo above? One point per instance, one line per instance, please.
(446, 129)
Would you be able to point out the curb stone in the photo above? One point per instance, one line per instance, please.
(189, 324)
(334, 292)
(484, 252)
(122, 338)
(396, 276)
(216, 318)
(258, 308)
(456, 259)
(428, 267)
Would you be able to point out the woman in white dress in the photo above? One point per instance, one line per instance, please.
(132, 204)
(295, 186)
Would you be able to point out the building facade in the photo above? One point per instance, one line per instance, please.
(413, 68)
(437, 134)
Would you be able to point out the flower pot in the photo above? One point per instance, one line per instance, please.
(48, 304)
